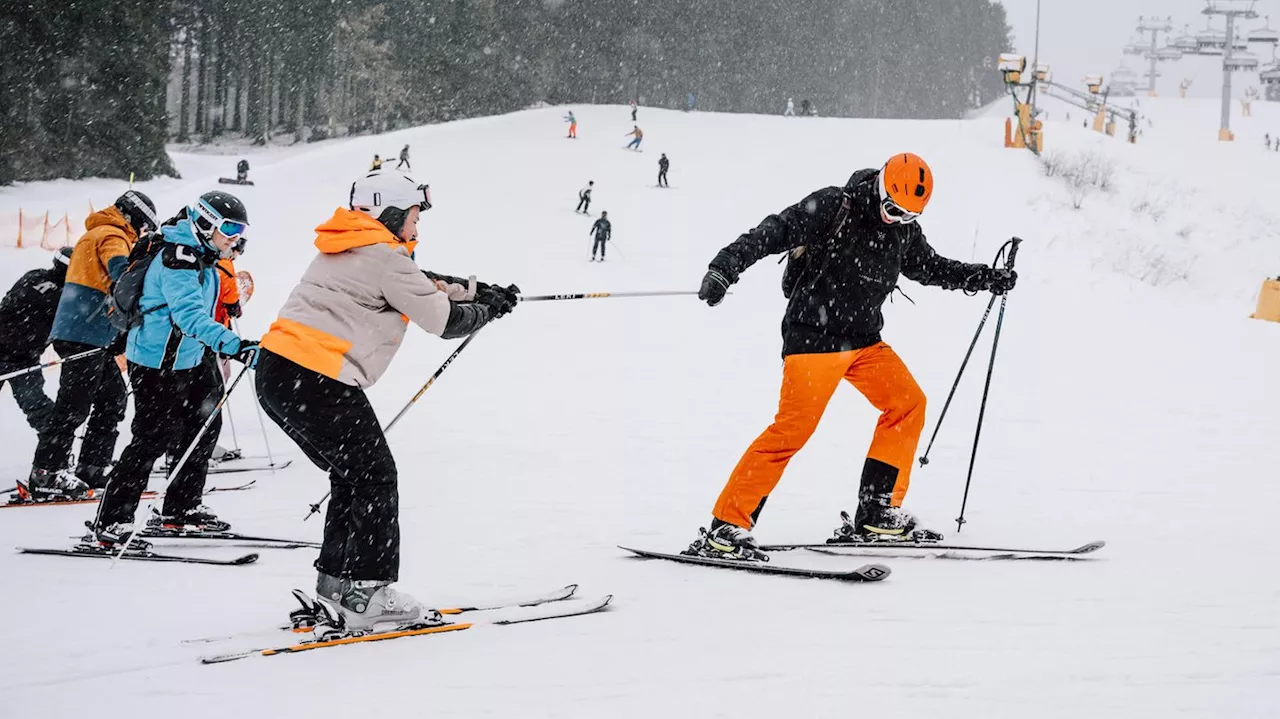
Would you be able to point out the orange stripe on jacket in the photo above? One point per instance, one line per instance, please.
(307, 347)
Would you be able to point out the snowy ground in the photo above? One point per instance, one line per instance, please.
(1128, 405)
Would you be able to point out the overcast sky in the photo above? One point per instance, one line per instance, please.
(1081, 37)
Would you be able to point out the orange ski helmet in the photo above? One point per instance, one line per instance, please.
(907, 182)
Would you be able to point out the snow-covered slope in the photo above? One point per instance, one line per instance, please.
(1126, 406)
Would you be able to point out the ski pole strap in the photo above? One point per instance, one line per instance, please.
(602, 295)
(53, 363)
(1012, 244)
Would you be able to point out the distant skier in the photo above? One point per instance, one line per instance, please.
(26, 315)
(806, 108)
(242, 171)
(584, 198)
(690, 102)
(376, 164)
(90, 388)
(404, 158)
(602, 230)
(633, 110)
(848, 246)
(791, 109)
(663, 165)
(1267, 139)
(638, 134)
(573, 125)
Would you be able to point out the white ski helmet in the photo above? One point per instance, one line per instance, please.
(383, 189)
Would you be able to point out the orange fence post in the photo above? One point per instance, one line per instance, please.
(19, 228)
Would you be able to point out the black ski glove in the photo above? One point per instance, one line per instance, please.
(500, 301)
(247, 355)
(1001, 280)
(714, 287)
(117, 345)
(721, 273)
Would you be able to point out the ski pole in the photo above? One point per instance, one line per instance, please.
(315, 508)
(231, 422)
(51, 363)
(257, 406)
(986, 388)
(924, 458)
(173, 472)
(602, 295)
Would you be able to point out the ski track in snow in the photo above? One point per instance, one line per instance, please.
(1124, 407)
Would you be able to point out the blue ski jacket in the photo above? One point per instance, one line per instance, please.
(179, 295)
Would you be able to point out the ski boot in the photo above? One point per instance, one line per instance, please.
(357, 605)
(94, 476)
(726, 541)
(193, 521)
(879, 522)
(43, 485)
(109, 538)
(222, 454)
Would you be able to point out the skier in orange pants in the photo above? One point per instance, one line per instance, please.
(847, 246)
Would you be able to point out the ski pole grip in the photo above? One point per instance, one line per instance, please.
(1013, 252)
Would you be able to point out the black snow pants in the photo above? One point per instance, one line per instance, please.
(600, 242)
(334, 424)
(28, 390)
(169, 407)
(584, 204)
(89, 388)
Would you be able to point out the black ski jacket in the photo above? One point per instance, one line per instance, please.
(664, 164)
(844, 263)
(602, 229)
(26, 314)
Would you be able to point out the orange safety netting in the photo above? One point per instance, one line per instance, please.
(46, 229)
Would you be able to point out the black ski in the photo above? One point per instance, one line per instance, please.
(245, 539)
(143, 556)
(865, 573)
(902, 544)
(931, 553)
(219, 469)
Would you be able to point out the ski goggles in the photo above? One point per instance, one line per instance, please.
(426, 198)
(897, 214)
(206, 221)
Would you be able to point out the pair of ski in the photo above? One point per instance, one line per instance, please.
(149, 555)
(95, 496)
(873, 572)
(233, 466)
(316, 618)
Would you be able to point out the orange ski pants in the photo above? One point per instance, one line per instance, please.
(808, 381)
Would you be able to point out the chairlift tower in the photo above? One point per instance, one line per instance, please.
(1152, 51)
(1231, 59)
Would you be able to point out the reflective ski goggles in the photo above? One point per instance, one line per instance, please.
(206, 222)
(426, 198)
(897, 214)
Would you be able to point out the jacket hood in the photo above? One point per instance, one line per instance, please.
(181, 233)
(112, 217)
(349, 229)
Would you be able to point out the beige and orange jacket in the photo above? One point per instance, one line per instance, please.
(347, 316)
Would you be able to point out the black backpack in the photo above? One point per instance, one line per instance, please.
(801, 265)
(123, 303)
